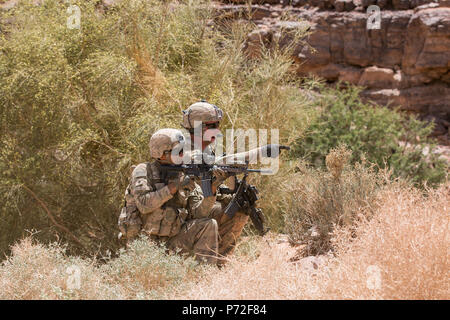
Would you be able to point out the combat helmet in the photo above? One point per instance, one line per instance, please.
(164, 140)
(201, 111)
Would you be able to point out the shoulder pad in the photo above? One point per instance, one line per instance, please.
(140, 171)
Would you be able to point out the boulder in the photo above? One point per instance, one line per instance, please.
(375, 77)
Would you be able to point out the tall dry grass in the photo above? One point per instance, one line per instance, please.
(319, 200)
(401, 253)
(144, 271)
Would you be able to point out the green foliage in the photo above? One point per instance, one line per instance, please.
(386, 137)
(77, 106)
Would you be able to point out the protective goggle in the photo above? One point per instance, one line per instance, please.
(211, 125)
(169, 152)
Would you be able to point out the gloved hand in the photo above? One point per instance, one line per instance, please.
(179, 182)
(273, 150)
(219, 177)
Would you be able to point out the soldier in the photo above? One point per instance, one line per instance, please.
(165, 208)
(209, 116)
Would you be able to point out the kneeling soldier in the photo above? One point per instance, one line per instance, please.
(203, 118)
(164, 208)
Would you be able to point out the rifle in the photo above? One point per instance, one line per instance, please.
(205, 173)
(244, 199)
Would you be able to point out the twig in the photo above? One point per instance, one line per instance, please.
(52, 218)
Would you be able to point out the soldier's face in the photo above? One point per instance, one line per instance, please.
(165, 158)
(210, 130)
(169, 158)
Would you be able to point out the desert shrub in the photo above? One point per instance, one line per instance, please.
(386, 137)
(144, 271)
(36, 271)
(400, 253)
(321, 200)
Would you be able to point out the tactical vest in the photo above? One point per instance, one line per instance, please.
(165, 221)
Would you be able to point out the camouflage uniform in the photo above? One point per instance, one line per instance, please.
(229, 228)
(180, 220)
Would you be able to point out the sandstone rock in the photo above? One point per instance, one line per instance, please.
(444, 3)
(344, 5)
(411, 51)
(427, 46)
(431, 99)
(417, 3)
(298, 3)
(339, 5)
(350, 74)
(256, 39)
(382, 3)
(426, 6)
(401, 4)
(384, 96)
(374, 77)
(366, 3)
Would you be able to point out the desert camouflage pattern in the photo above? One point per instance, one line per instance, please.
(165, 140)
(198, 237)
(201, 111)
(229, 228)
(163, 215)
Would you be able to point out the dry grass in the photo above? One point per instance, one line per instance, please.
(144, 271)
(35, 271)
(406, 242)
(318, 200)
(149, 78)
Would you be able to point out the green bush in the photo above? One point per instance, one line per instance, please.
(77, 106)
(386, 137)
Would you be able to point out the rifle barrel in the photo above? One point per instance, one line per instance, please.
(259, 170)
(184, 167)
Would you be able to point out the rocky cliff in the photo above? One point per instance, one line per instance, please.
(405, 62)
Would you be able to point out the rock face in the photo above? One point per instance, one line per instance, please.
(406, 62)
